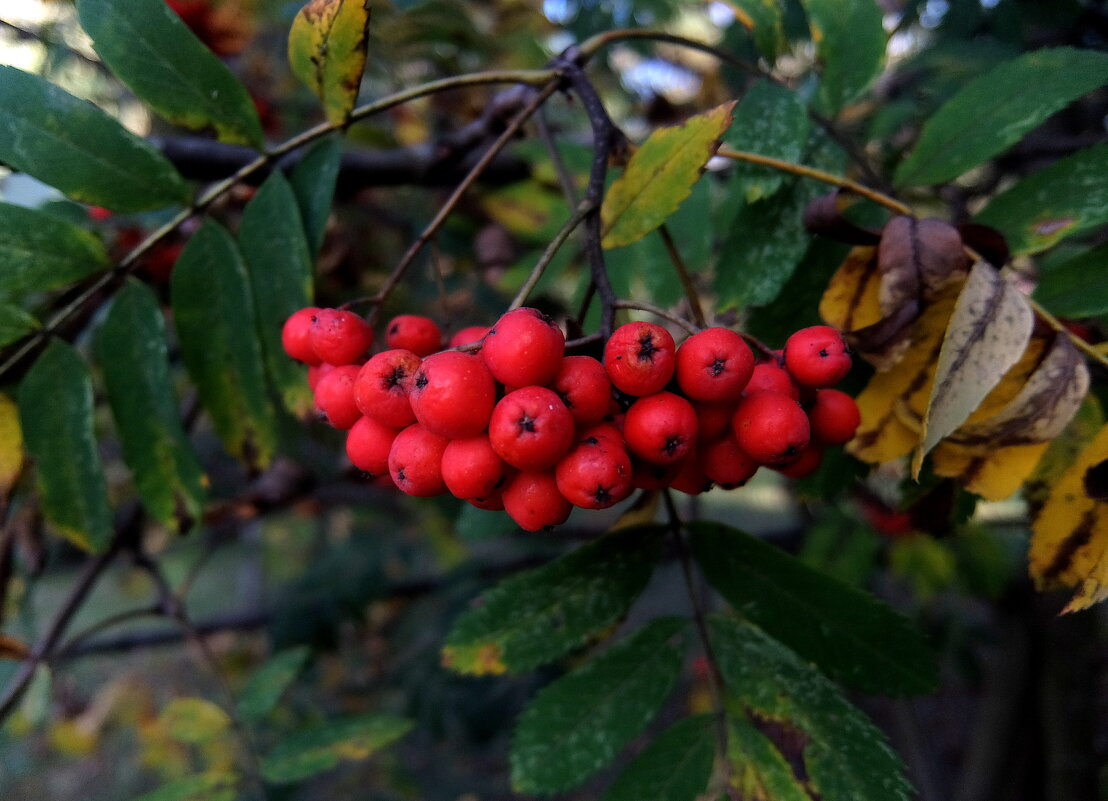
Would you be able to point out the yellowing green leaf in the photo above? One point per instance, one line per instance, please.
(194, 720)
(11, 444)
(660, 175)
(308, 752)
(327, 51)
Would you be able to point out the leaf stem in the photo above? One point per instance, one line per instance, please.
(583, 209)
(657, 311)
(683, 274)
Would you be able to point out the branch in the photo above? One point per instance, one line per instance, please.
(583, 210)
(656, 311)
(683, 274)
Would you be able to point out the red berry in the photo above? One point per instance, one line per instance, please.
(713, 420)
(714, 365)
(805, 462)
(660, 428)
(368, 444)
(316, 373)
(690, 477)
(471, 468)
(531, 428)
(583, 385)
(817, 356)
(340, 337)
(421, 335)
(382, 387)
(602, 432)
(726, 464)
(771, 427)
(453, 394)
(768, 377)
(834, 417)
(493, 503)
(525, 347)
(639, 358)
(469, 335)
(415, 462)
(334, 396)
(594, 476)
(649, 476)
(532, 500)
(296, 336)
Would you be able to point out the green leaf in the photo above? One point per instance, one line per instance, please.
(327, 51)
(675, 767)
(268, 683)
(577, 725)
(845, 756)
(1066, 198)
(850, 47)
(73, 146)
(41, 252)
(55, 408)
(660, 175)
(764, 20)
(313, 181)
(759, 770)
(1069, 289)
(995, 110)
(200, 787)
(216, 323)
(131, 351)
(313, 751)
(535, 617)
(154, 53)
(194, 720)
(771, 121)
(848, 633)
(275, 249)
(15, 324)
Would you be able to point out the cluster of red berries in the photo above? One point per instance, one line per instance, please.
(518, 425)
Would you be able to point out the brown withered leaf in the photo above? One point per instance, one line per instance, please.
(824, 216)
(11, 648)
(1096, 481)
(916, 258)
(987, 334)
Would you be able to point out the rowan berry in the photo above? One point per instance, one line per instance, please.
(469, 335)
(316, 372)
(649, 476)
(493, 503)
(334, 396)
(639, 358)
(415, 462)
(769, 377)
(713, 420)
(582, 384)
(340, 337)
(714, 365)
(471, 468)
(296, 336)
(690, 477)
(453, 394)
(421, 335)
(771, 427)
(594, 476)
(805, 463)
(533, 501)
(817, 356)
(605, 431)
(368, 444)
(524, 348)
(382, 387)
(726, 463)
(834, 417)
(531, 428)
(660, 428)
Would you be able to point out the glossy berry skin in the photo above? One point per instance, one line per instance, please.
(714, 365)
(368, 444)
(582, 384)
(533, 501)
(594, 476)
(805, 463)
(296, 336)
(524, 348)
(640, 358)
(421, 335)
(834, 417)
(660, 428)
(817, 356)
(334, 396)
(602, 432)
(771, 427)
(340, 337)
(415, 462)
(713, 420)
(469, 335)
(531, 428)
(726, 463)
(471, 468)
(769, 377)
(382, 387)
(453, 394)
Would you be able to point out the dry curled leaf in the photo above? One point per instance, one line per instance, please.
(917, 258)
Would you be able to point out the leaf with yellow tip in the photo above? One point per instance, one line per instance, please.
(327, 51)
(11, 444)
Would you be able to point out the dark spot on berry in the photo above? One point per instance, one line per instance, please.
(394, 328)
(672, 444)
(823, 354)
(400, 474)
(421, 380)
(602, 495)
(647, 348)
(546, 318)
(500, 482)
(590, 441)
(565, 398)
(717, 367)
(526, 423)
(396, 377)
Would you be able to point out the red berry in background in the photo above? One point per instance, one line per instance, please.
(690, 477)
(296, 336)
(493, 503)
(531, 428)
(602, 432)
(532, 500)
(471, 468)
(382, 387)
(421, 335)
(805, 463)
(98, 213)
(834, 417)
(768, 377)
(714, 365)
(316, 373)
(582, 384)
(159, 261)
(415, 462)
(452, 394)
(340, 337)
(817, 356)
(660, 428)
(726, 463)
(771, 427)
(639, 358)
(713, 420)
(649, 476)
(334, 396)
(594, 476)
(525, 347)
(469, 335)
(368, 444)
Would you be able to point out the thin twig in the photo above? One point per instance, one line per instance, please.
(551, 251)
(686, 279)
(565, 178)
(591, 46)
(656, 311)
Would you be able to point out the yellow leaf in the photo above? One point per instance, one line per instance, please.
(327, 51)
(995, 474)
(482, 659)
(11, 444)
(852, 298)
(194, 720)
(1069, 543)
(72, 739)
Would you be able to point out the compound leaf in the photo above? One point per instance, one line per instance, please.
(771, 121)
(313, 182)
(41, 252)
(676, 766)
